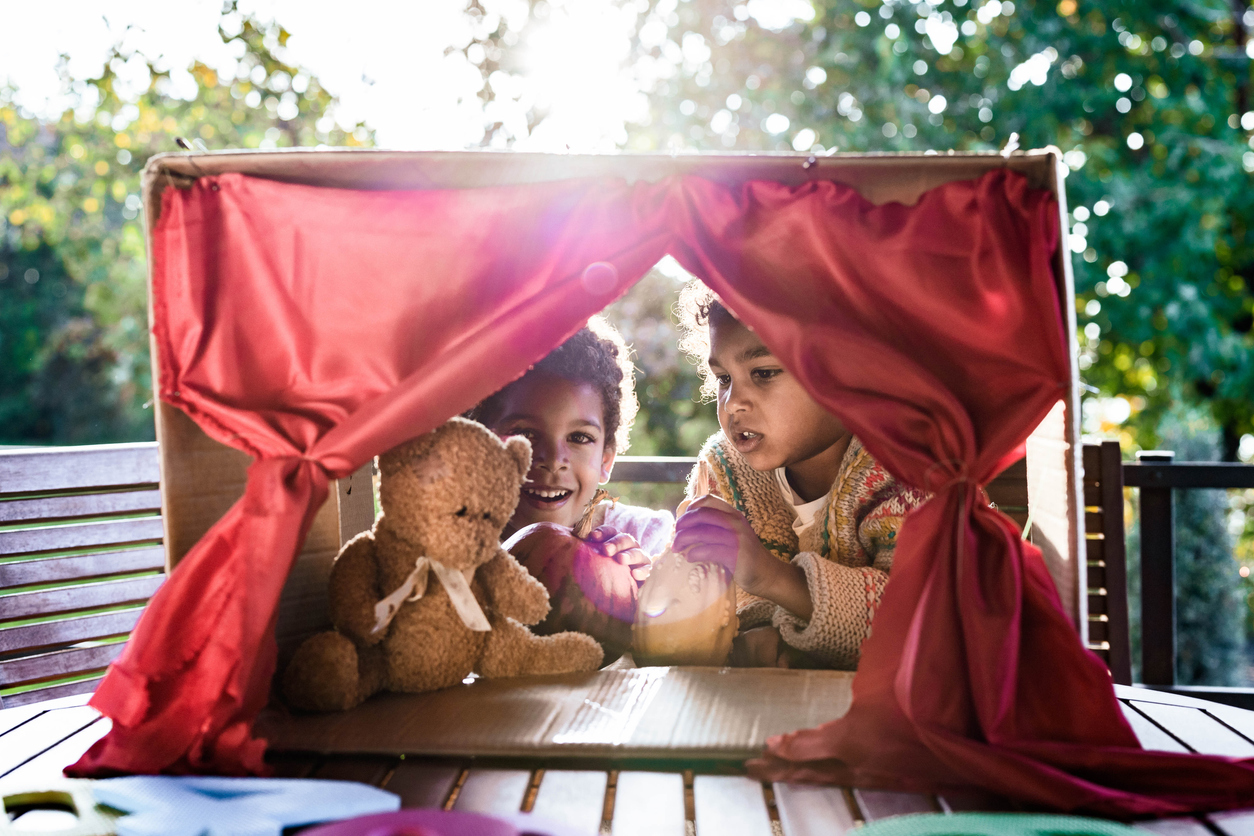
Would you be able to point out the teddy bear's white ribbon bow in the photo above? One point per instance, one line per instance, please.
(455, 584)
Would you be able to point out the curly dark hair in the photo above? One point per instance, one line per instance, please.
(596, 355)
(697, 307)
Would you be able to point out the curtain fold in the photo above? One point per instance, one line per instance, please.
(314, 328)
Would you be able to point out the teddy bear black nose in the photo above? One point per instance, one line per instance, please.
(461, 512)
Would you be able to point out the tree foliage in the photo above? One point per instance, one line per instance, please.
(73, 309)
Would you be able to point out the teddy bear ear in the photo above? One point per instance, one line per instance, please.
(520, 451)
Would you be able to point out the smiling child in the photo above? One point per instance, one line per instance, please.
(787, 499)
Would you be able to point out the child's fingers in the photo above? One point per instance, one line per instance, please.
(712, 501)
(729, 519)
(601, 534)
(693, 535)
(707, 553)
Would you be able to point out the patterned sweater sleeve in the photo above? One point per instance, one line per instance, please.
(846, 597)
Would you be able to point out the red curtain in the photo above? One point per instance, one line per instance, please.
(314, 328)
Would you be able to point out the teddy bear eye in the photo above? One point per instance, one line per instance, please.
(487, 515)
(461, 512)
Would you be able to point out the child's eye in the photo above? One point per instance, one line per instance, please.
(724, 380)
(582, 438)
(522, 432)
(765, 374)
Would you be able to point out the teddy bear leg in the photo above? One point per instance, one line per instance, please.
(328, 674)
(513, 650)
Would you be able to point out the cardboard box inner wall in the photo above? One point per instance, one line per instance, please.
(202, 478)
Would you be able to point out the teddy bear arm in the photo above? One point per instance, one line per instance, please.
(512, 591)
(354, 591)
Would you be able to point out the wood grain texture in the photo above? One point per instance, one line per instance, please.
(69, 631)
(730, 805)
(52, 569)
(356, 502)
(1197, 730)
(575, 798)
(649, 804)
(43, 732)
(48, 469)
(493, 791)
(52, 692)
(370, 770)
(808, 810)
(883, 804)
(52, 508)
(1057, 528)
(423, 785)
(79, 597)
(1150, 735)
(79, 535)
(58, 663)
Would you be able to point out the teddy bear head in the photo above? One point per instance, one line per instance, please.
(449, 493)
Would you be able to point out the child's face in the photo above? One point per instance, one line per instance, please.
(763, 410)
(565, 423)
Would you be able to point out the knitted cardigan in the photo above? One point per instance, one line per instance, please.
(846, 554)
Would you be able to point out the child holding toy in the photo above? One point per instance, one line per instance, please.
(787, 499)
(576, 407)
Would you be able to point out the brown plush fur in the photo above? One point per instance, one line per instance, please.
(446, 495)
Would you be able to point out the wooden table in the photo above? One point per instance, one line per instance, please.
(614, 787)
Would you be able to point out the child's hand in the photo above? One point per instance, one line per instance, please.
(760, 647)
(712, 531)
(623, 548)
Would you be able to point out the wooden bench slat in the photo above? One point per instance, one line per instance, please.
(80, 597)
(1099, 629)
(1197, 730)
(1098, 604)
(1096, 573)
(53, 691)
(58, 663)
(807, 810)
(1093, 522)
(649, 804)
(883, 804)
(1095, 548)
(79, 535)
(68, 631)
(50, 508)
(74, 567)
(48, 765)
(363, 770)
(423, 785)
(72, 468)
(1150, 735)
(41, 733)
(492, 791)
(729, 805)
(1175, 827)
(572, 797)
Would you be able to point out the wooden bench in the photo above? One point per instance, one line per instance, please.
(80, 554)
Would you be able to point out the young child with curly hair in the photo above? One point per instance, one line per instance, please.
(787, 499)
(576, 407)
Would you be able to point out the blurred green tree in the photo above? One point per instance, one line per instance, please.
(74, 362)
(1148, 99)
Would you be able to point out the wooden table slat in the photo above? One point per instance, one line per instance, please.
(424, 785)
(493, 791)
(367, 770)
(882, 804)
(572, 797)
(1197, 730)
(41, 733)
(649, 804)
(1150, 735)
(1240, 719)
(973, 801)
(807, 810)
(1175, 827)
(1234, 823)
(730, 805)
(294, 766)
(48, 765)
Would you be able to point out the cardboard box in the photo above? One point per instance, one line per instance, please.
(202, 478)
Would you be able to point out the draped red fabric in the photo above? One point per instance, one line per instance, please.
(314, 328)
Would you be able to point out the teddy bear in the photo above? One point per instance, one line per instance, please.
(428, 595)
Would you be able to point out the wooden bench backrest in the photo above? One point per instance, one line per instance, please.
(80, 554)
